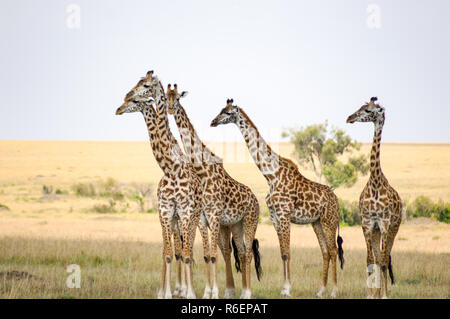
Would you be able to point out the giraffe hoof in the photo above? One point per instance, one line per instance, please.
(207, 293)
(320, 292)
(229, 293)
(215, 293)
(168, 295)
(370, 297)
(246, 294)
(160, 294)
(286, 290)
(384, 297)
(191, 295)
(334, 293)
(176, 291)
(183, 292)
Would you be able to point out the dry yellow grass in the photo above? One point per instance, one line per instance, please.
(120, 257)
(120, 254)
(413, 169)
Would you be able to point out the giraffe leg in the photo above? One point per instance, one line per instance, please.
(214, 226)
(238, 235)
(187, 226)
(250, 225)
(283, 229)
(178, 245)
(166, 225)
(375, 237)
(387, 248)
(317, 227)
(224, 244)
(370, 260)
(202, 226)
(330, 234)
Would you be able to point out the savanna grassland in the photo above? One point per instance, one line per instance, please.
(118, 247)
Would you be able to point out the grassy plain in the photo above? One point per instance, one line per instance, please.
(120, 254)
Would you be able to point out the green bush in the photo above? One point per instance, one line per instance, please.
(105, 209)
(47, 190)
(423, 206)
(349, 213)
(2, 206)
(84, 189)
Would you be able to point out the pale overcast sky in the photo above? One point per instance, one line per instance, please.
(287, 63)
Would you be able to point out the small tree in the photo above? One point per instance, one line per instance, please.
(318, 148)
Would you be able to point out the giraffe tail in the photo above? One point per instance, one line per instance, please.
(257, 256)
(340, 250)
(237, 262)
(391, 273)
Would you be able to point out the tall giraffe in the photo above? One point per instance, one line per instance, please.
(292, 198)
(380, 206)
(228, 205)
(179, 192)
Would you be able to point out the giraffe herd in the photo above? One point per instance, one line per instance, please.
(197, 192)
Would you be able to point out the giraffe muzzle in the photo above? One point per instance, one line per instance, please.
(119, 111)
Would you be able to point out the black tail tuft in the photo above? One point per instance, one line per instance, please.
(181, 239)
(391, 273)
(237, 262)
(257, 256)
(340, 251)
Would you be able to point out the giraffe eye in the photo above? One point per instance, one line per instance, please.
(146, 86)
(368, 111)
(135, 101)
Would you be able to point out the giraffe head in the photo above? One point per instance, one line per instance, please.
(138, 98)
(369, 112)
(173, 97)
(229, 114)
(146, 88)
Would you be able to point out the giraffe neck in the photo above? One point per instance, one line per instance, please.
(265, 158)
(375, 167)
(173, 156)
(196, 151)
(150, 118)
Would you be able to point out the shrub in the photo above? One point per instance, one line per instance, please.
(3, 207)
(142, 193)
(349, 213)
(105, 209)
(47, 190)
(110, 188)
(60, 192)
(84, 189)
(423, 206)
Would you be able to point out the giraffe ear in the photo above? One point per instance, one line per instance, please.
(184, 94)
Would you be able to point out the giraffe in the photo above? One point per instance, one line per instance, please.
(292, 198)
(228, 205)
(380, 205)
(179, 192)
